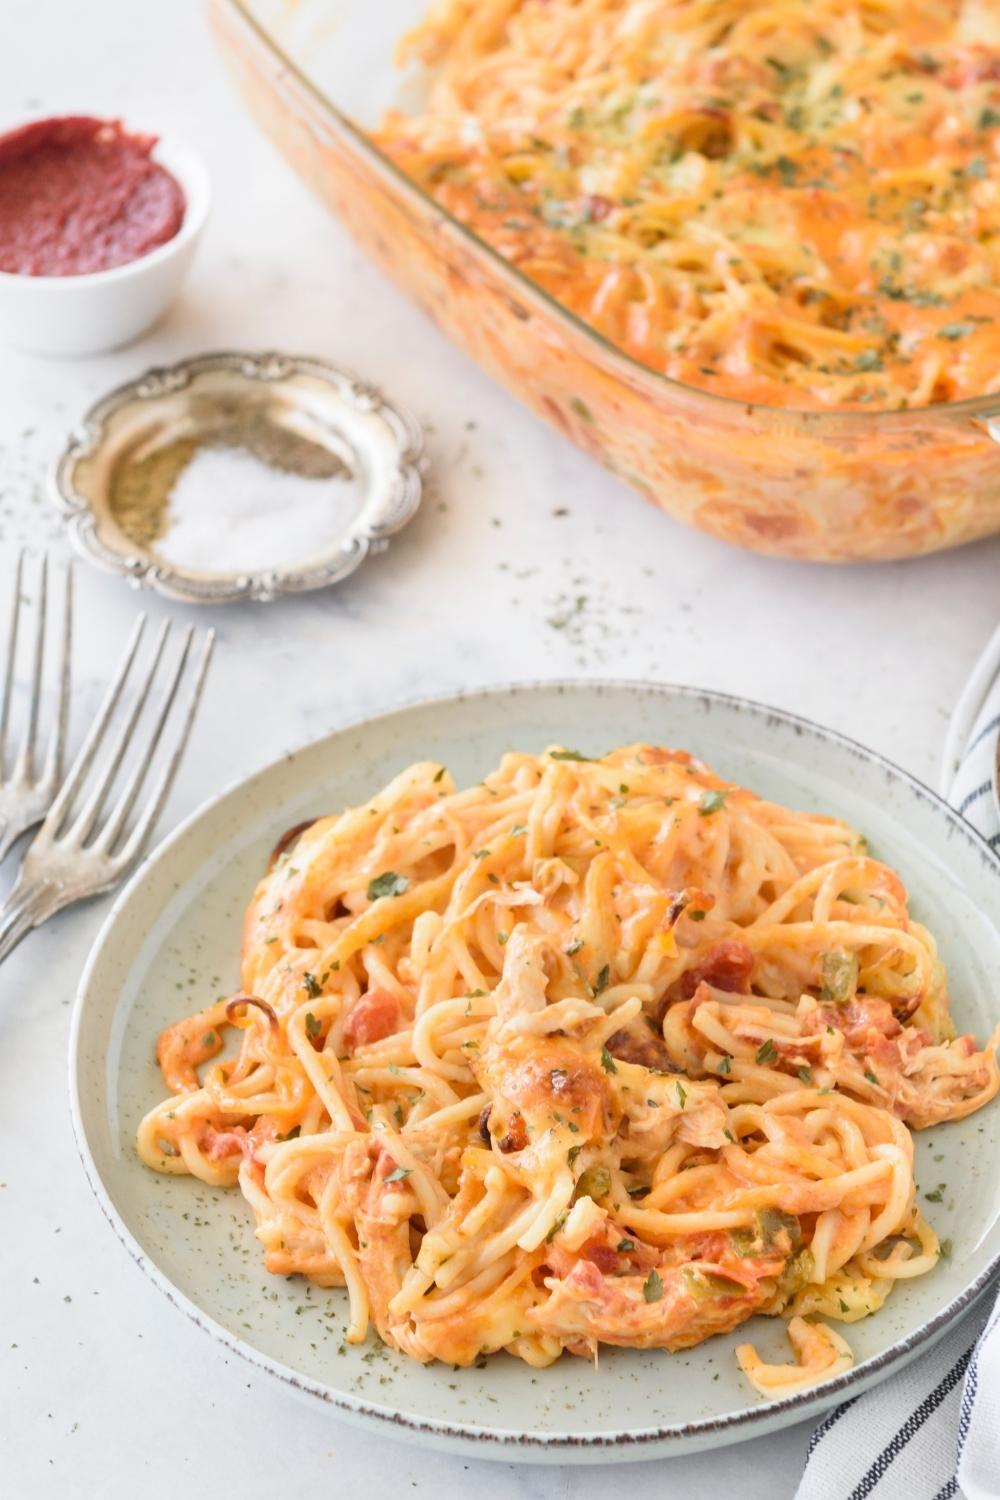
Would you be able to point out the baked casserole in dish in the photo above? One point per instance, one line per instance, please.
(745, 253)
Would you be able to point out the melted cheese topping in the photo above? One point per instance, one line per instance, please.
(794, 202)
(592, 1052)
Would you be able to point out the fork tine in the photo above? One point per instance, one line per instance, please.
(57, 742)
(26, 755)
(88, 749)
(8, 681)
(88, 814)
(116, 822)
(140, 834)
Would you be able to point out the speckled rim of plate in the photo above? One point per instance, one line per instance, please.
(381, 425)
(632, 1443)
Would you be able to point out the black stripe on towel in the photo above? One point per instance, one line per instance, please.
(972, 1379)
(989, 728)
(948, 1489)
(980, 791)
(821, 1431)
(910, 1427)
(968, 1401)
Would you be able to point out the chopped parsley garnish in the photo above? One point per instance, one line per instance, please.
(725, 1066)
(555, 1229)
(398, 1174)
(607, 1061)
(806, 1077)
(682, 1094)
(624, 1246)
(574, 947)
(938, 1193)
(601, 982)
(387, 884)
(868, 360)
(710, 803)
(439, 774)
(311, 986)
(652, 1287)
(955, 331)
(871, 1078)
(767, 1051)
(916, 295)
(569, 755)
(313, 1026)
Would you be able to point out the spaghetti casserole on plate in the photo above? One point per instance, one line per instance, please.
(597, 1051)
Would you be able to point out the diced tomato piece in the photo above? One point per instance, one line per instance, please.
(970, 66)
(638, 1044)
(603, 1257)
(376, 1015)
(597, 207)
(727, 966)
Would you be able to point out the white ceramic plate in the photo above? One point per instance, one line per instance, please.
(170, 944)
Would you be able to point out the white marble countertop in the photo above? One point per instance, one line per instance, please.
(526, 561)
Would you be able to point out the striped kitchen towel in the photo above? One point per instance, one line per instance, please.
(932, 1431)
(972, 786)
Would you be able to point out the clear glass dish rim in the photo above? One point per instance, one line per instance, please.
(972, 410)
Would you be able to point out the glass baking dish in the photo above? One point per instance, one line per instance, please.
(827, 486)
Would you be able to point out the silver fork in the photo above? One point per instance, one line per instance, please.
(27, 793)
(68, 860)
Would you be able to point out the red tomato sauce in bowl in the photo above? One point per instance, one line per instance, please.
(78, 195)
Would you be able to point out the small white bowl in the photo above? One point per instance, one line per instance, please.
(66, 315)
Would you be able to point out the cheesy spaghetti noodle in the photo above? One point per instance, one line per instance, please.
(792, 202)
(596, 1051)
